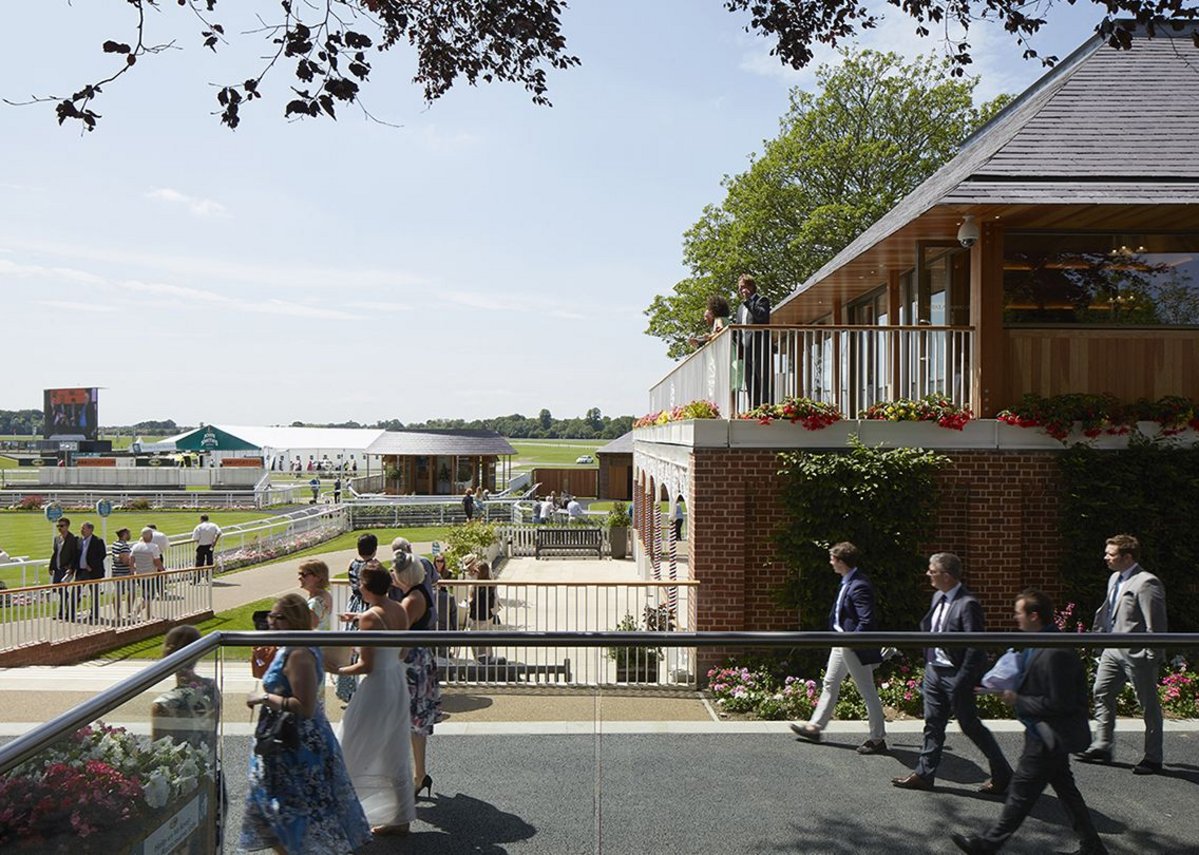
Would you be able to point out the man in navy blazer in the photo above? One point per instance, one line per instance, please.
(92, 552)
(853, 611)
(1051, 700)
(950, 675)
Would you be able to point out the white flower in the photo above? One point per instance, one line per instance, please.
(157, 789)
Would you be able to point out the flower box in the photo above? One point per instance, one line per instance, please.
(977, 433)
(749, 433)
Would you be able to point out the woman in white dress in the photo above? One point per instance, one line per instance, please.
(378, 752)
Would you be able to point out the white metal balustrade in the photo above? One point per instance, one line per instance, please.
(850, 367)
(536, 607)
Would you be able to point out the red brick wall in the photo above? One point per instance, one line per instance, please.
(998, 512)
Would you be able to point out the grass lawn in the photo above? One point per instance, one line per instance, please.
(28, 533)
(551, 452)
(234, 619)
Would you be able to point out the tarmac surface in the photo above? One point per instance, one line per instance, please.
(563, 771)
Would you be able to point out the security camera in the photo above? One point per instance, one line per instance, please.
(968, 232)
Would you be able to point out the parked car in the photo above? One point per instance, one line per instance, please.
(584, 458)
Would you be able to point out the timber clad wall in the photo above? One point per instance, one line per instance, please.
(998, 512)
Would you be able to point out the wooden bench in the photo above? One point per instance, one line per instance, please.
(570, 539)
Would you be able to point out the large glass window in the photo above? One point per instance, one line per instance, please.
(1101, 278)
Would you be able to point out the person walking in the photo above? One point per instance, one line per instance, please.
(853, 611)
(1050, 699)
(950, 675)
(63, 562)
(92, 552)
(206, 535)
(468, 504)
(1135, 603)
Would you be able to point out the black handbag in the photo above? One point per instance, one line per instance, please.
(275, 732)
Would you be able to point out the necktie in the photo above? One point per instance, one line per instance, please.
(1111, 603)
(837, 608)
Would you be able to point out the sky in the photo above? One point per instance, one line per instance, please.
(475, 257)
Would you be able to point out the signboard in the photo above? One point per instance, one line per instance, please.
(437, 547)
(209, 441)
(104, 507)
(68, 445)
(71, 413)
(53, 512)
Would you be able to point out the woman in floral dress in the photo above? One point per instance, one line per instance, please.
(300, 801)
(424, 691)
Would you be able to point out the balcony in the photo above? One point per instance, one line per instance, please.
(850, 367)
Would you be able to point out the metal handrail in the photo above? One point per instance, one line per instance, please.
(24, 747)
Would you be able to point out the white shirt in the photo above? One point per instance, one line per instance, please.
(939, 655)
(143, 555)
(841, 599)
(574, 509)
(547, 509)
(161, 541)
(206, 533)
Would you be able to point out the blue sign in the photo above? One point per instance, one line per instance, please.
(104, 507)
(54, 512)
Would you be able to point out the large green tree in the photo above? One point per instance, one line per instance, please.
(844, 156)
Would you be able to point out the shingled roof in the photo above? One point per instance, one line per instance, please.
(1104, 126)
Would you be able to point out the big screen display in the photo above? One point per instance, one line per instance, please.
(71, 414)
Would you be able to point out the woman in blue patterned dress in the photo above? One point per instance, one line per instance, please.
(300, 801)
(424, 691)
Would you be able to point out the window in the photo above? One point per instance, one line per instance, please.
(1101, 278)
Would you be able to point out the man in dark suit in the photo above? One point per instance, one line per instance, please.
(63, 562)
(92, 551)
(950, 675)
(1135, 603)
(1050, 698)
(853, 611)
(754, 348)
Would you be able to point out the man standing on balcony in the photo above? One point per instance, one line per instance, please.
(1135, 602)
(853, 611)
(950, 675)
(754, 349)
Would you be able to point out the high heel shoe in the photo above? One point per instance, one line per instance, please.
(427, 785)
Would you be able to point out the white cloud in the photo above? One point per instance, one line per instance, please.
(380, 306)
(37, 271)
(77, 307)
(199, 207)
(179, 296)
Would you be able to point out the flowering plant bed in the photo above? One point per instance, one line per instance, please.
(99, 782)
(930, 408)
(813, 415)
(693, 410)
(1100, 414)
(275, 546)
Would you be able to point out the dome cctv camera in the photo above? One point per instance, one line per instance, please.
(968, 232)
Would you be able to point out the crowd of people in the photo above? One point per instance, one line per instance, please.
(336, 788)
(86, 557)
(554, 508)
(1047, 690)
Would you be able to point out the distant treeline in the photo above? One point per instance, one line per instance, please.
(592, 425)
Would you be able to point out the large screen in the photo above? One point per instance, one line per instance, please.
(71, 414)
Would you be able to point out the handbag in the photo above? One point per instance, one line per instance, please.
(276, 731)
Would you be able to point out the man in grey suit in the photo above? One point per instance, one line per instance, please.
(950, 675)
(1050, 699)
(1135, 602)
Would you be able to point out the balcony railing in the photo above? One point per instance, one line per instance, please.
(850, 367)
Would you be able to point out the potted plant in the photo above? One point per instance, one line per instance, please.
(617, 523)
(634, 664)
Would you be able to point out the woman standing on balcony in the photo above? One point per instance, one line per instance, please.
(300, 798)
(716, 317)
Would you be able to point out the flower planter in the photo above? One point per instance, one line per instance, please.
(694, 433)
(750, 433)
(618, 539)
(979, 433)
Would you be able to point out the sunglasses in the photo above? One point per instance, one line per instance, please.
(60, 525)
(274, 616)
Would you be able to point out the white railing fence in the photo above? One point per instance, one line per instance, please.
(521, 540)
(196, 499)
(406, 511)
(44, 614)
(563, 606)
(851, 367)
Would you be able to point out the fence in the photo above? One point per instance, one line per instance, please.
(48, 614)
(658, 608)
(521, 540)
(196, 499)
(407, 511)
(850, 367)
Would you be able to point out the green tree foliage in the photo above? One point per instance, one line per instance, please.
(884, 502)
(1151, 491)
(593, 425)
(844, 156)
(22, 422)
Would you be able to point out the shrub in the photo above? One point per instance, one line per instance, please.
(137, 505)
(476, 537)
(31, 503)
